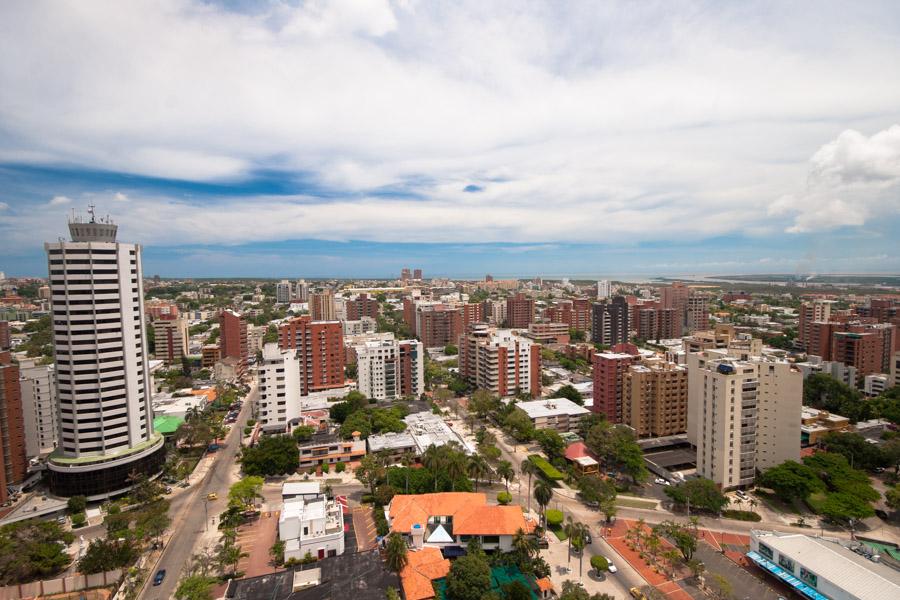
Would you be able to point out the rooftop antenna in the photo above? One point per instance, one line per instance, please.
(91, 212)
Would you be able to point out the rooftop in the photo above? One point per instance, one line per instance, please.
(422, 568)
(299, 488)
(552, 407)
(471, 513)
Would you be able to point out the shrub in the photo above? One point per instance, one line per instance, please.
(554, 517)
(381, 524)
(504, 498)
(76, 504)
(78, 520)
(325, 468)
(248, 430)
(600, 563)
(340, 467)
(741, 515)
(251, 422)
(546, 469)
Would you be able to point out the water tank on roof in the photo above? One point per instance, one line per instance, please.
(725, 369)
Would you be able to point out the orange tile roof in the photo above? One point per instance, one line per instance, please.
(422, 567)
(471, 513)
(210, 394)
(544, 584)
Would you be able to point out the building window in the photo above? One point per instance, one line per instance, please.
(809, 577)
(785, 562)
(765, 551)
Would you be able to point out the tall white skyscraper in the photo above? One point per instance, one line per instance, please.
(279, 386)
(103, 379)
(390, 369)
(283, 291)
(603, 289)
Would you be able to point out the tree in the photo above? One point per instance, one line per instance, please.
(527, 468)
(277, 553)
(483, 403)
(244, 492)
(451, 350)
(856, 449)
(477, 468)
(31, 550)
(683, 537)
(840, 507)
(303, 433)
(599, 563)
(570, 393)
(516, 591)
(519, 425)
(395, 552)
(791, 480)
(892, 497)
(506, 472)
(469, 577)
(703, 494)
(542, 494)
(76, 504)
(106, 555)
(392, 594)
(551, 443)
(579, 541)
(370, 472)
(524, 545)
(573, 590)
(722, 588)
(272, 455)
(195, 587)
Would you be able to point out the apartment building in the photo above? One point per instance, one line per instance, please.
(390, 369)
(102, 364)
(283, 291)
(559, 414)
(170, 340)
(320, 352)
(609, 370)
(549, 333)
(361, 327)
(472, 313)
(438, 324)
(209, 356)
(362, 306)
(742, 416)
(13, 458)
(519, 311)
(322, 306)
(809, 313)
(658, 324)
(500, 361)
(161, 309)
(697, 312)
(610, 323)
(5, 336)
(301, 291)
(495, 311)
(327, 448)
(816, 424)
(655, 398)
(863, 351)
(40, 412)
(576, 314)
(604, 289)
(279, 386)
(233, 341)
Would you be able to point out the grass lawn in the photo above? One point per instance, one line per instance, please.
(560, 533)
(633, 502)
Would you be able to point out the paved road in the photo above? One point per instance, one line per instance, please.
(189, 513)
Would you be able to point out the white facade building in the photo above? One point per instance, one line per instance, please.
(39, 408)
(361, 327)
(560, 414)
(603, 289)
(103, 377)
(876, 384)
(390, 368)
(314, 526)
(302, 290)
(279, 386)
(283, 291)
(742, 415)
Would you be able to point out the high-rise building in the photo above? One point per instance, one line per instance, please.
(417, 274)
(500, 361)
(438, 325)
(574, 313)
(302, 291)
(658, 324)
(279, 386)
(320, 352)
(157, 308)
(610, 322)
(233, 341)
(405, 275)
(697, 317)
(322, 306)
(170, 339)
(810, 312)
(675, 296)
(390, 369)
(604, 289)
(102, 372)
(519, 311)
(39, 408)
(283, 293)
(13, 462)
(472, 313)
(655, 398)
(495, 311)
(5, 336)
(609, 383)
(743, 416)
(864, 351)
(362, 306)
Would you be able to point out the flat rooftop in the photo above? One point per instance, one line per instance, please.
(552, 407)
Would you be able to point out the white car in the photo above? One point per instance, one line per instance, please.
(611, 567)
(660, 481)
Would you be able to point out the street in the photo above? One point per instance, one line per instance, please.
(190, 518)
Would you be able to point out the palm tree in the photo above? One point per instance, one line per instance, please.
(477, 468)
(569, 528)
(395, 552)
(506, 472)
(406, 462)
(527, 468)
(455, 465)
(433, 460)
(523, 544)
(543, 493)
(580, 531)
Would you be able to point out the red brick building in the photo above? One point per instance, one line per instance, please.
(13, 461)
(658, 324)
(519, 311)
(609, 378)
(320, 348)
(472, 313)
(860, 350)
(5, 336)
(233, 337)
(574, 313)
(362, 306)
(438, 325)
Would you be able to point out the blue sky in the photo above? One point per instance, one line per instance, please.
(352, 138)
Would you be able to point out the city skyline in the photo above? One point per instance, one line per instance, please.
(339, 139)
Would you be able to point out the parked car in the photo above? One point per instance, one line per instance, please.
(611, 567)
(158, 578)
(592, 504)
(212, 496)
(637, 594)
(741, 494)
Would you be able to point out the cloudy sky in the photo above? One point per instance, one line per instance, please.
(354, 137)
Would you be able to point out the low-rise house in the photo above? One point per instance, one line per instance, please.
(448, 520)
(327, 448)
(314, 527)
(560, 414)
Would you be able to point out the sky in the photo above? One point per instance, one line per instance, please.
(351, 138)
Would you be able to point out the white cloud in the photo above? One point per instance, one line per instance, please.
(59, 200)
(120, 197)
(595, 122)
(4, 206)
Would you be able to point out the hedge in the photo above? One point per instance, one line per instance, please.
(554, 517)
(381, 524)
(741, 515)
(546, 469)
(599, 562)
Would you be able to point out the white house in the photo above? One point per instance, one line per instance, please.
(314, 526)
